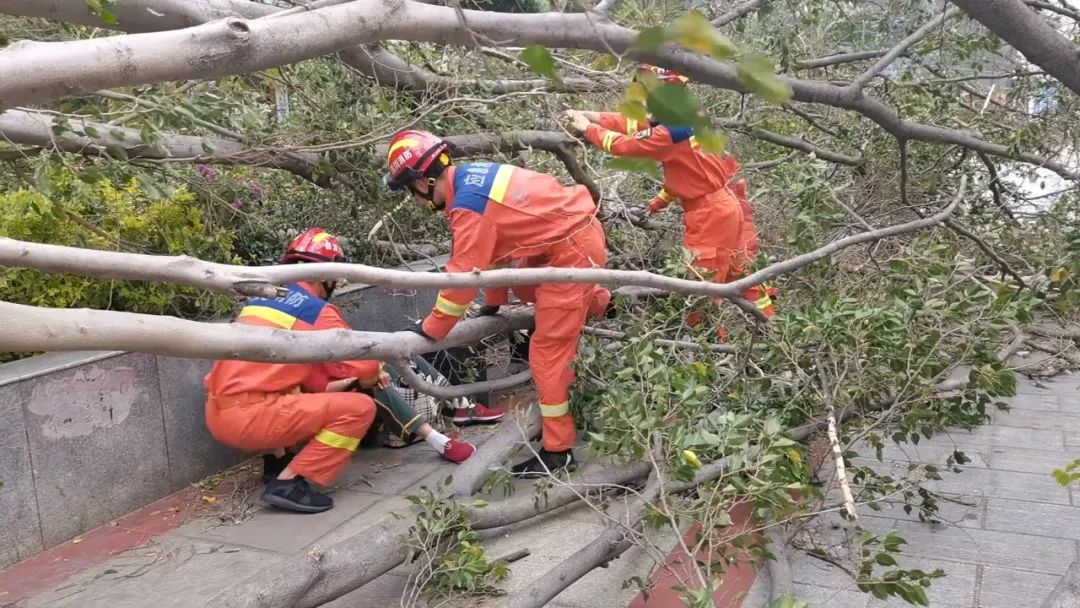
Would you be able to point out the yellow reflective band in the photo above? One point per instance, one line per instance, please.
(501, 183)
(763, 302)
(334, 440)
(278, 318)
(318, 238)
(609, 140)
(664, 196)
(552, 411)
(401, 144)
(631, 126)
(694, 142)
(449, 307)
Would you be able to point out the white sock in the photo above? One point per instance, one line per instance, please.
(437, 440)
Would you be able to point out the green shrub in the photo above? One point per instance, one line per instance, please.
(101, 215)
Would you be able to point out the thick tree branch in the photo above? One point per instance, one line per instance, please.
(37, 72)
(31, 329)
(738, 12)
(32, 128)
(263, 280)
(454, 391)
(795, 143)
(1055, 8)
(902, 47)
(1030, 34)
(838, 59)
(618, 335)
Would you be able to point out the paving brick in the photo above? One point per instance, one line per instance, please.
(987, 547)
(1009, 588)
(936, 451)
(816, 597)
(954, 590)
(1002, 484)
(20, 527)
(1044, 401)
(275, 530)
(1011, 437)
(1057, 521)
(387, 509)
(1026, 386)
(172, 573)
(1067, 422)
(1069, 403)
(1041, 462)
(390, 471)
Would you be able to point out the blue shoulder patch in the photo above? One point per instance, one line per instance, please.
(680, 134)
(472, 186)
(297, 303)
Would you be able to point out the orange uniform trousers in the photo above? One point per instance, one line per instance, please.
(561, 310)
(724, 241)
(331, 423)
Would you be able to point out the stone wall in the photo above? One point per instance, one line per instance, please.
(87, 437)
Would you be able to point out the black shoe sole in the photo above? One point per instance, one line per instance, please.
(474, 421)
(288, 505)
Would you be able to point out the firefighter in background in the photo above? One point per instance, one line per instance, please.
(260, 407)
(502, 214)
(717, 216)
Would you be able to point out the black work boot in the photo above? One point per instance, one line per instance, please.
(545, 463)
(296, 495)
(273, 465)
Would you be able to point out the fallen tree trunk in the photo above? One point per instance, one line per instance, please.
(262, 281)
(319, 575)
(96, 139)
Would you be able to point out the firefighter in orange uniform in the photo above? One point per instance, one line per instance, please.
(718, 222)
(260, 407)
(502, 214)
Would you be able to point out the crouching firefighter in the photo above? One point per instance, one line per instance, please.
(502, 214)
(262, 407)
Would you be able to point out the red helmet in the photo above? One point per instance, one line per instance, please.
(664, 75)
(315, 245)
(415, 154)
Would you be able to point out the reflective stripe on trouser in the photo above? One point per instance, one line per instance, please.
(331, 423)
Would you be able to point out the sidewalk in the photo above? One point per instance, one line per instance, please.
(1010, 531)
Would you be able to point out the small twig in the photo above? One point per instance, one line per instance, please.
(834, 441)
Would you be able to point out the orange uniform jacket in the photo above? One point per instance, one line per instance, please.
(298, 310)
(689, 172)
(499, 214)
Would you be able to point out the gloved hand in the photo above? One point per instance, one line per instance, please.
(418, 329)
(487, 311)
(656, 205)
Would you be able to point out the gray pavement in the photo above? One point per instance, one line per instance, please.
(1008, 534)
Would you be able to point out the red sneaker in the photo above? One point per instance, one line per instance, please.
(601, 299)
(457, 451)
(477, 414)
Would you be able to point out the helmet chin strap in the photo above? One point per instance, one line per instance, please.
(428, 196)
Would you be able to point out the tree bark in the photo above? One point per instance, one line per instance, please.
(261, 281)
(320, 575)
(35, 129)
(39, 72)
(1030, 34)
(31, 329)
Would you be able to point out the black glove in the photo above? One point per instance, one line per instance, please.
(487, 311)
(419, 330)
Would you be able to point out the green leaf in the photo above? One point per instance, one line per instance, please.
(541, 61)
(649, 39)
(634, 110)
(694, 31)
(108, 16)
(772, 426)
(91, 131)
(1062, 477)
(757, 75)
(714, 142)
(673, 105)
(884, 559)
(639, 165)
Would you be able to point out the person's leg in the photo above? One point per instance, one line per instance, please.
(401, 418)
(334, 423)
(468, 410)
